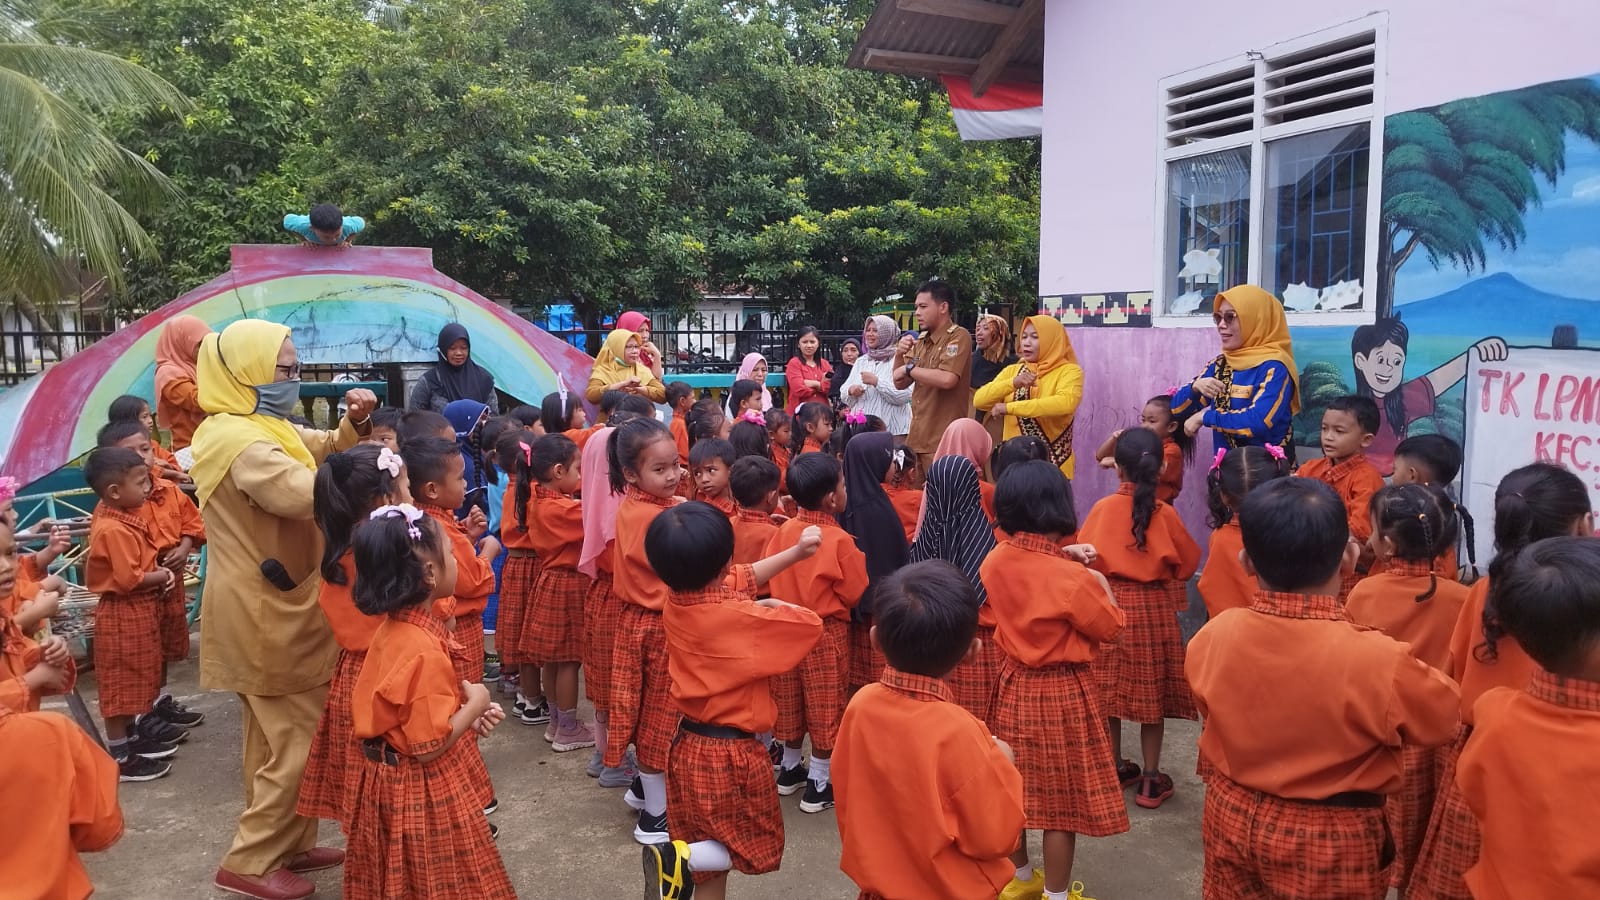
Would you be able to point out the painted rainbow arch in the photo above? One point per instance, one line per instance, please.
(357, 305)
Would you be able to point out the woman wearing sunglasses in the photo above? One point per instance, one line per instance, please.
(1251, 391)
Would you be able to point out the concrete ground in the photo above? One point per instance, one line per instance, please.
(561, 836)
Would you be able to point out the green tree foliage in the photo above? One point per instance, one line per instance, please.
(1462, 174)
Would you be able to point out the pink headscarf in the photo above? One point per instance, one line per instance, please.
(966, 437)
(177, 348)
(630, 321)
(599, 504)
(747, 368)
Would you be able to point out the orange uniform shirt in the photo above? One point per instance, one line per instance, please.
(58, 791)
(907, 503)
(1224, 583)
(1048, 609)
(679, 426)
(178, 404)
(1301, 703)
(722, 648)
(1511, 666)
(1355, 481)
(830, 583)
(634, 581)
(163, 456)
(780, 458)
(935, 819)
(556, 528)
(723, 504)
(352, 628)
(172, 515)
(407, 690)
(752, 532)
(474, 576)
(809, 445)
(1529, 774)
(1447, 565)
(510, 535)
(1389, 603)
(1169, 553)
(122, 550)
(1171, 483)
(19, 653)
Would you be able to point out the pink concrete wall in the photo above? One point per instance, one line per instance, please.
(1104, 60)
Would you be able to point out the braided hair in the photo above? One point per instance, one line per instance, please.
(1419, 521)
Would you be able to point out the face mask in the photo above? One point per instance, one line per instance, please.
(277, 399)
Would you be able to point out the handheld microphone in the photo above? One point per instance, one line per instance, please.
(276, 575)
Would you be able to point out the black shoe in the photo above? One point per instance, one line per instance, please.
(634, 795)
(494, 832)
(775, 752)
(150, 749)
(174, 713)
(651, 829)
(792, 780)
(666, 871)
(491, 806)
(137, 768)
(157, 730)
(816, 801)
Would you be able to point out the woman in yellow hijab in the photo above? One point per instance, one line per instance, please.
(263, 635)
(618, 368)
(1039, 395)
(1249, 394)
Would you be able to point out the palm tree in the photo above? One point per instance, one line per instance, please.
(65, 186)
(1463, 173)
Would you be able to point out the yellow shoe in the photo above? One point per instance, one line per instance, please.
(1032, 889)
(666, 871)
(1076, 893)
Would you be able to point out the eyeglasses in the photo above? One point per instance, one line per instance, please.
(291, 373)
(1228, 317)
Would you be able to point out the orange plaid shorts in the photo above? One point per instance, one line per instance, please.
(127, 653)
(866, 661)
(811, 696)
(721, 789)
(1140, 674)
(641, 703)
(1451, 842)
(175, 624)
(1409, 810)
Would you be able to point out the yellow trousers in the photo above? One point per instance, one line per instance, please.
(277, 740)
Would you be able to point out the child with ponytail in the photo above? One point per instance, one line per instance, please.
(1434, 459)
(349, 486)
(1224, 584)
(1531, 504)
(1412, 525)
(1148, 558)
(416, 827)
(517, 578)
(1177, 445)
(813, 427)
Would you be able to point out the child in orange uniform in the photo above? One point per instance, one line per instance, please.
(811, 696)
(562, 414)
(1529, 772)
(1533, 503)
(644, 468)
(1224, 584)
(898, 483)
(754, 482)
(1411, 526)
(811, 430)
(936, 819)
(1140, 674)
(129, 408)
(724, 647)
(1306, 713)
(349, 486)
(517, 578)
(780, 435)
(1177, 446)
(122, 567)
(680, 396)
(554, 628)
(29, 669)
(1434, 459)
(1348, 426)
(59, 791)
(601, 607)
(1051, 614)
(177, 528)
(709, 462)
(417, 826)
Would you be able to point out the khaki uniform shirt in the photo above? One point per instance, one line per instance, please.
(932, 410)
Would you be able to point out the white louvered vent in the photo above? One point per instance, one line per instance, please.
(1218, 106)
(1333, 77)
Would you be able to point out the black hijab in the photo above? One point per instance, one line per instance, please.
(868, 515)
(954, 528)
(468, 381)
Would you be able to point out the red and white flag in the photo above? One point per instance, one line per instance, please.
(1006, 110)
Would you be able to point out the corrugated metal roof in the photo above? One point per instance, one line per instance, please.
(898, 30)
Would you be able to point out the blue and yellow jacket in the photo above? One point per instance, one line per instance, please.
(1255, 408)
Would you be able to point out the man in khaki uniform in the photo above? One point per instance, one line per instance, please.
(940, 365)
(267, 642)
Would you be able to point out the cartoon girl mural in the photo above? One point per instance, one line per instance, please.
(1378, 352)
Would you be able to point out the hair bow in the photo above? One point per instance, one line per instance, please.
(1276, 452)
(751, 415)
(389, 461)
(527, 452)
(411, 513)
(8, 488)
(561, 388)
(1172, 391)
(1217, 462)
(899, 457)
(855, 418)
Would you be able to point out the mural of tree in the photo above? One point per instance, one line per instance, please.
(1461, 174)
(1320, 383)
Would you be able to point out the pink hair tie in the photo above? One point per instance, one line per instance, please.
(8, 488)
(1276, 452)
(855, 418)
(1172, 391)
(1217, 463)
(751, 415)
(411, 514)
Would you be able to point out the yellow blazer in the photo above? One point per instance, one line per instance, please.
(1055, 399)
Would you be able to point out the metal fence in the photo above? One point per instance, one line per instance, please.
(27, 353)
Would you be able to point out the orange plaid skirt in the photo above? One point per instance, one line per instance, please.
(553, 629)
(1409, 810)
(973, 681)
(127, 653)
(335, 756)
(1261, 846)
(811, 696)
(469, 634)
(1052, 720)
(1140, 674)
(721, 789)
(1451, 842)
(866, 661)
(175, 624)
(641, 710)
(517, 578)
(417, 832)
(601, 609)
